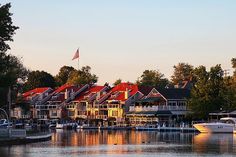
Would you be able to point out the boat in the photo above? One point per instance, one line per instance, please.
(4, 123)
(60, 126)
(225, 125)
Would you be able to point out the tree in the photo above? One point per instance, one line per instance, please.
(7, 29)
(39, 79)
(63, 75)
(118, 81)
(153, 78)
(11, 67)
(182, 72)
(206, 94)
(230, 89)
(83, 76)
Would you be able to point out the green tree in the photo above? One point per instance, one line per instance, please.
(206, 94)
(11, 67)
(182, 72)
(118, 81)
(7, 29)
(230, 89)
(63, 75)
(83, 76)
(39, 79)
(153, 78)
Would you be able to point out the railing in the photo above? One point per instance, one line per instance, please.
(42, 116)
(18, 133)
(101, 117)
(82, 116)
(157, 108)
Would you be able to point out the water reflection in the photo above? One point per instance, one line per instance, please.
(127, 143)
(89, 138)
(215, 143)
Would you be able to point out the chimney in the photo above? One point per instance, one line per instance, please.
(127, 93)
(66, 94)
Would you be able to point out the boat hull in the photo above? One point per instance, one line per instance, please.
(214, 127)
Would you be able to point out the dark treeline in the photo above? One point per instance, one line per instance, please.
(210, 90)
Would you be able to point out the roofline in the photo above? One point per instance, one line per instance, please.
(158, 92)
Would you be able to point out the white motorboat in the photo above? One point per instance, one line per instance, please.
(225, 125)
(60, 126)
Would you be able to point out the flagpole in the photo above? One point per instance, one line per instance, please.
(78, 61)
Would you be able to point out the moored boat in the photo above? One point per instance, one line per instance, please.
(225, 125)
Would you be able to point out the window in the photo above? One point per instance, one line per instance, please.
(71, 113)
(114, 113)
(54, 113)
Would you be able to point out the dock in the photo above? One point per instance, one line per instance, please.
(167, 129)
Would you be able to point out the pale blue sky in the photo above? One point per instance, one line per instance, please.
(122, 38)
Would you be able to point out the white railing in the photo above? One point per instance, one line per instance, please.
(157, 108)
(42, 116)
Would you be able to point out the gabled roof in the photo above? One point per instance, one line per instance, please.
(174, 93)
(88, 93)
(145, 89)
(59, 93)
(35, 91)
(118, 92)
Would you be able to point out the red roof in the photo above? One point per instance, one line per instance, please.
(118, 92)
(59, 93)
(35, 91)
(93, 89)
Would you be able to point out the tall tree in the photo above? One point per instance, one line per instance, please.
(7, 29)
(206, 94)
(83, 76)
(153, 78)
(118, 81)
(230, 89)
(39, 79)
(182, 72)
(11, 67)
(63, 75)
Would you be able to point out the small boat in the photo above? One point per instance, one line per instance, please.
(225, 125)
(4, 123)
(60, 126)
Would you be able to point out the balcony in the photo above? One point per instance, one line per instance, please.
(101, 117)
(158, 108)
(42, 116)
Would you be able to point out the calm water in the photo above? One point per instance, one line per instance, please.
(126, 143)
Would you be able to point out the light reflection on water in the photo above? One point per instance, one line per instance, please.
(126, 143)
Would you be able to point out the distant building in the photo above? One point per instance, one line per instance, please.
(159, 107)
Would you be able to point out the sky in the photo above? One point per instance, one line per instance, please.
(122, 38)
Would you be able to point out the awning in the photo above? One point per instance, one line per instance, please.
(179, 112)
(148, 100)
(149, 113)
